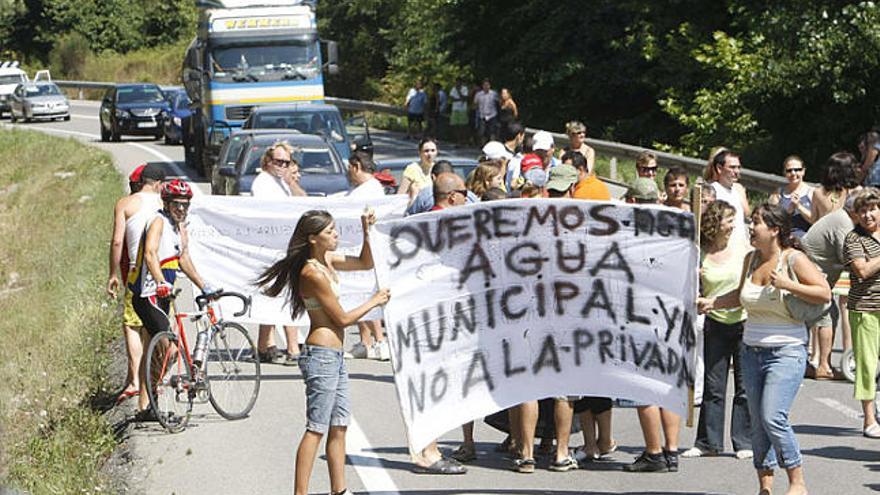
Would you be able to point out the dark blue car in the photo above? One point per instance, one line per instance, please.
(323, 172)
(178, 101)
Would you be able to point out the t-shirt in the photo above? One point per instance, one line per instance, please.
(459, 98)
(824, 243)
(864, 295)
(592, 188)
(416, 175)
(368, 190)
(799, 224)
(487, 104)
(267, 186)
(415, 101)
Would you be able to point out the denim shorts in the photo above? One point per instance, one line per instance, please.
(327, 400)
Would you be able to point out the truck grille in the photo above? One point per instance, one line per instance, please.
(238, 113)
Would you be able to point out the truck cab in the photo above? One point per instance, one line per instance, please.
(249, 53)
(10, 77)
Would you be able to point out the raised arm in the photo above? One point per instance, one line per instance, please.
(364, 261)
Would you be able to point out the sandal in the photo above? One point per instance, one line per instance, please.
(128, 394)
(443, 466)
(611, 449)
(526, 466)
(464, 454)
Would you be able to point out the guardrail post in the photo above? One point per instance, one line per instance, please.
(612, 168)
(80, 93)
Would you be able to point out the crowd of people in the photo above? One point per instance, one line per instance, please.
(767, 276)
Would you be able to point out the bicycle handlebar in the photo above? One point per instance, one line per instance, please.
(246, 301)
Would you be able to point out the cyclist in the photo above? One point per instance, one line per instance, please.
(308, 274)
(162, 252)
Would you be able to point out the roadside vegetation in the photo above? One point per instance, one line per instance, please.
(56, 203)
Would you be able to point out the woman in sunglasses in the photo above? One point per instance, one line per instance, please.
(796, 197)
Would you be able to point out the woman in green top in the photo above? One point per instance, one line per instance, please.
(720, 273)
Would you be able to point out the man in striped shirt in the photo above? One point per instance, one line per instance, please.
(861, 252)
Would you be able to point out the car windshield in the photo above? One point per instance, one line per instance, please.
(42, 90)
(143, 94)
(11, 79)
(311, 160)
(327, 124)
(275, 62)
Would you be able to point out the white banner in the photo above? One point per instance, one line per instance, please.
(234, 238)
(499, 303)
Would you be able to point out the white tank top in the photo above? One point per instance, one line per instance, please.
(731, 197)
(135, 225)
(769, 323)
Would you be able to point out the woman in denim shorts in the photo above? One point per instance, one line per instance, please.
(774, 352)
(308, 274)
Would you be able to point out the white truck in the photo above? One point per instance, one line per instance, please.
(10, 77)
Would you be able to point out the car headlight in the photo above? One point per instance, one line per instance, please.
(121, 114)
(177, 121)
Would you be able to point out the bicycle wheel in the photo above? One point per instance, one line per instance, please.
(233, 371)
(168, 382)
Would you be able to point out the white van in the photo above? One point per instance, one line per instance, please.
(10, 77)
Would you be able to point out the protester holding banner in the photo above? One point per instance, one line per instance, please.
(365, 186)
(308, 275)
(278, 178)
(774, 355)
(720, 273)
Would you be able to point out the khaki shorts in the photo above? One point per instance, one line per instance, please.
(129, 317)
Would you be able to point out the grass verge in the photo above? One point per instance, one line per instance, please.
(56, 204)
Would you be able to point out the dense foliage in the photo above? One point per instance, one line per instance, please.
(793, 76)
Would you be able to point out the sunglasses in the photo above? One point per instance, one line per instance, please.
(649, 170)
(794, 170)
(463, 192)
(281, 163)
(183, 205)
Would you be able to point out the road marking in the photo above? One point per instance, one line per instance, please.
(80, 116)
(368, 464)
(158, 154)
(839, 407)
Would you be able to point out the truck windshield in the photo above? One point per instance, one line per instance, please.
(327, 124)
(265, 62)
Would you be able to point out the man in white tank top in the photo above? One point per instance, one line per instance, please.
(727, 169)
(129, 220)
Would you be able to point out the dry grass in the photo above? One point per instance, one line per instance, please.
(56, 201)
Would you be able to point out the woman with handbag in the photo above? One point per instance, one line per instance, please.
(780, 290)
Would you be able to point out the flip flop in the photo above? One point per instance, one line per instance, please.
(128, 394)
(611, 449)
(443, 466)
(464, 454)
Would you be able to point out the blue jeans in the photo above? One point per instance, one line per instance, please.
(722, 342)
(327, 400)
(772, 377)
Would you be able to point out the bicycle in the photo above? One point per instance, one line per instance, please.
(223, 368)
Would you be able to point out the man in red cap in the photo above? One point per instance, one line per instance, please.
(129, 219)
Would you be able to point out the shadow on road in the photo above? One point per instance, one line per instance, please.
(842, 453)
(832, 431)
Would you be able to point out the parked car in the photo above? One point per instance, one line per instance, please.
(38, 100)
(395, 166)
(323, 171)
(179, 111)
(315, 118)
(133, 109)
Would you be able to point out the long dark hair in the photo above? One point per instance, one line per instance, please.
(284, 273)
(776, 216)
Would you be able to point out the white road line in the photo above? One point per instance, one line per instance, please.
(839, 407)
(368, 465)
(81, 116)
(158, 154)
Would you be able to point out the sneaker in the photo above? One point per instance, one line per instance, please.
(671, 460)
(698, 452)
(567, 464)
(383, 353)
(524, 465)
(581, 456)
(373, 351)
(872, 431)
(648, 463)
(744, 454)
(359, 351)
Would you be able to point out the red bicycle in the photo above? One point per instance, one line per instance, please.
(223, 368)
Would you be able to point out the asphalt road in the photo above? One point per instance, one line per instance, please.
(256, 455)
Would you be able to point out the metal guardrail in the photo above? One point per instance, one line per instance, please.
(750, 179)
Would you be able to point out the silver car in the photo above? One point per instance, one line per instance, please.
(38, 100)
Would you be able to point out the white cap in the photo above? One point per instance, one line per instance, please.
(494, 150)
(542, 140)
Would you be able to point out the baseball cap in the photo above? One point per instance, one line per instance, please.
(562, 177)
(542, 140)
(493, 150)
(643, 189)
(529, 162)
(536, 175)
(592, 188)
(153, 171)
